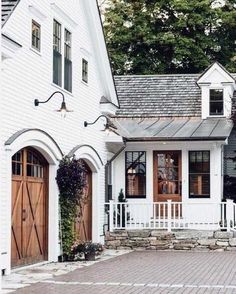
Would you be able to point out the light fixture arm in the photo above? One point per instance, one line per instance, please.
(88, 124)
(37, 102)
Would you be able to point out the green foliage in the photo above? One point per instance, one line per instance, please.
(122, 215)
(71, 180)
(121, 196)
(170, 36)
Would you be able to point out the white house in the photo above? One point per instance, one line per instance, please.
(171, 165)
(48, 47)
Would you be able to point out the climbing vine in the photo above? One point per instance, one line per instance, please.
(71, 180)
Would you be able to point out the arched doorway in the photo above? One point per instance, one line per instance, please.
(29, 237)
(83, 222)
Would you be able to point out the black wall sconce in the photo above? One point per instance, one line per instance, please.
(63, 110)
(108, 127)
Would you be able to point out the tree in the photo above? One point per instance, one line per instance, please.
(170, 36)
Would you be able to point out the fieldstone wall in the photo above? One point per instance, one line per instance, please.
(177, 240)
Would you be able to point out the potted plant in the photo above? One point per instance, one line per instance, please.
(87, 248)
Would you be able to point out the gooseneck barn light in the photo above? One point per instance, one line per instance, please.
(63, 110)
(107, 126)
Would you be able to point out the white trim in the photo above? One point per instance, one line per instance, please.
(214, 67)
(8, 48)
(100, 51)
(93, 161)
(35, 11)
(63, 15)
(50, 151)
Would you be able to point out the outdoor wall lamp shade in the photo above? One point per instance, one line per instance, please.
(107, 125)
(63, 110)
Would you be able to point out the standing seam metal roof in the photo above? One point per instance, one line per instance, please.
(173, 128)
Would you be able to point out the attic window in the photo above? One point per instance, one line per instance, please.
(36, 35)
(85, 70)
(216, 102)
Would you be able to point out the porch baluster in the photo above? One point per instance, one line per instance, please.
(169, 215)
(111, 214)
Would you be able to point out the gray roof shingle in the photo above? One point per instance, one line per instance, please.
(159, 95)
(7, 8)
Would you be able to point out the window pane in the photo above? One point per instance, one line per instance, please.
(57, 65)
(168, 172)
(68, 75)
(216, 102)
(135, 174)
(36, 32)
(216, 108)
(199, 174)
(168, 187)
(85, 70)
(199, 185)
(136, 185)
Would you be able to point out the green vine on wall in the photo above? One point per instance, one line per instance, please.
(71, 180)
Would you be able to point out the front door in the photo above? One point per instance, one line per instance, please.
(29, 207)
(167, 176)
(83, 223)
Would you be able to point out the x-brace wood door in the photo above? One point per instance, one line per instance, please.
(29, 207)
(83, 222)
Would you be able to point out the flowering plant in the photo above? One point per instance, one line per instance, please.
(86, 248)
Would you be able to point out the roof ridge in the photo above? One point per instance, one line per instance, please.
(158, 75)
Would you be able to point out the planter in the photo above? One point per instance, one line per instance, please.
(90, 256)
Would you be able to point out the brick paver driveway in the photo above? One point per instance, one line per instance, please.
(149, 272)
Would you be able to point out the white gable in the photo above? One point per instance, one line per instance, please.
(95, 27)
(216, 74)
(216, 77)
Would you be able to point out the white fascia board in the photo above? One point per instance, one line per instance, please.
(9, 47)
(63, 15)
(100, 50)
(225, 75)
(108, 108)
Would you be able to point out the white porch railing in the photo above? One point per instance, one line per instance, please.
(172, 215)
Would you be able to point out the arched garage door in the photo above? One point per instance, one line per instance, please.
(83, 223)
(29, 207)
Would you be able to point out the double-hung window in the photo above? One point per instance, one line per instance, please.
(199, 174)
(67, 61)
(36, 36)
(57, 56)
(216, 102)
(135, 174)
(62, 57)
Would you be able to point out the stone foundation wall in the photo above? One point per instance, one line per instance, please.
(177, 240)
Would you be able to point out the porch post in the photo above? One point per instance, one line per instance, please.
(111, 213)
(229, 213)
(169, 215)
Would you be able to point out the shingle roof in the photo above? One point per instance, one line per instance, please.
(7, 8)
(159, 95)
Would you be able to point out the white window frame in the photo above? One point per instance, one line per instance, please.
(63, 28)
(34, 22)
(209, 100)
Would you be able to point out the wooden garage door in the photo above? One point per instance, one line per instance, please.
(29, 207)
(83, 223)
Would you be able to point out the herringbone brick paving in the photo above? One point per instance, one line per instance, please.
(149, 272)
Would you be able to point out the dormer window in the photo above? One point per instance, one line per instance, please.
(216, 102)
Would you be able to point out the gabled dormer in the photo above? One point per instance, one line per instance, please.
(217, 89)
